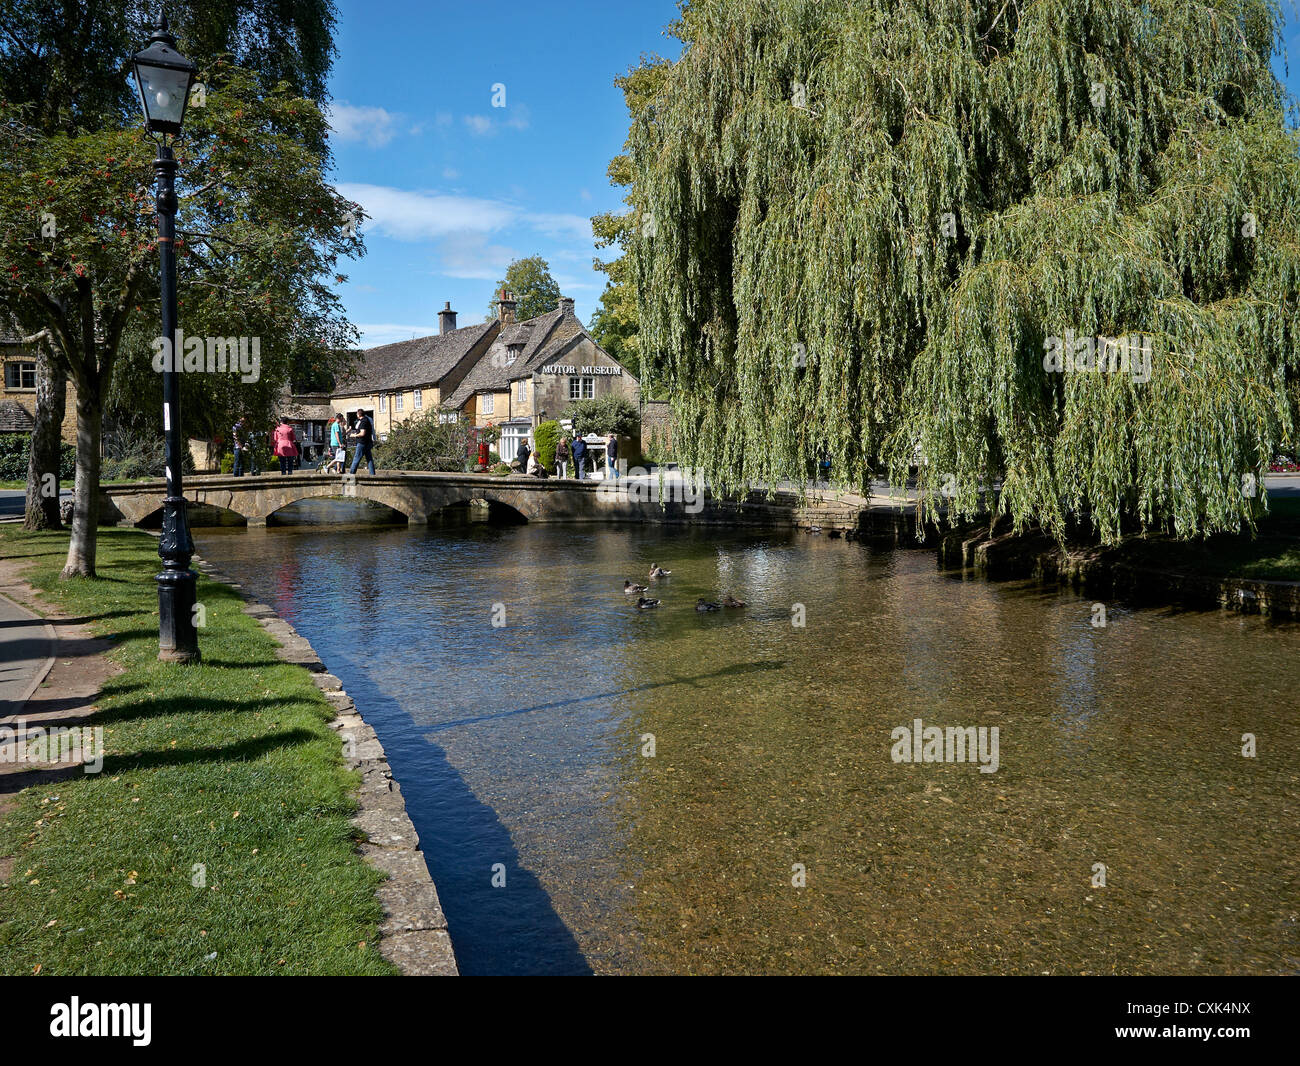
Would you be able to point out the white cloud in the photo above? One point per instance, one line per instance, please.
(450, 173)
(372, 125)
(407, 215)
(479, 125)
(373, 334)
(558, 225)
(470, 255)
(417, 216)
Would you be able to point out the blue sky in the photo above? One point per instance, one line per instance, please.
(457, 187)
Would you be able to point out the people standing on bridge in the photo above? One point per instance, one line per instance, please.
(562, 457)
(579, 455)
(611, 456)
(238, 442)
(522, 455)
(363, 432)
(286, 446)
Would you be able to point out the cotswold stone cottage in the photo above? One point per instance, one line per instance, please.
(510, 374)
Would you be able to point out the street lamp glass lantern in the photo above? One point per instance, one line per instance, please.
(163, 78)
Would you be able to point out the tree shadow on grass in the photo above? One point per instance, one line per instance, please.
(241, 751)
(180, 706)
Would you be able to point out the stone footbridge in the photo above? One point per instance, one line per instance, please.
(421, 496)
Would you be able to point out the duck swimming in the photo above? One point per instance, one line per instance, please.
(728, 601)
(645, 604)
(657, 571)
(704, 605)
(632, 589)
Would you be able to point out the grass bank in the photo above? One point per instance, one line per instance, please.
(224, 773)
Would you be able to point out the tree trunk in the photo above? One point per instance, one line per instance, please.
(85, 516)
(42, 510)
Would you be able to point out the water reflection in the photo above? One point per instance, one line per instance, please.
(522, 744)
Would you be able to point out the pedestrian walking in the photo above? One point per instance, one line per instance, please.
(363, 432)
(611, 456)
(579, 450)
(562, 457)
(285, 446)
(338, 445)
(238, 442)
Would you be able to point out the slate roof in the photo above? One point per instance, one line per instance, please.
(414, 363)
(493, 373)
(15, 418)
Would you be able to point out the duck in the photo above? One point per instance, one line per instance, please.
(729, 601)
(645, 604)
(633, 590)
(657, 571)
(704, 605)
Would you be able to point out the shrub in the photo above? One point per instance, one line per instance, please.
(500, 470)
(15, 449)
(132, 457)
(424, 443)
(547, 436)
(604, 414)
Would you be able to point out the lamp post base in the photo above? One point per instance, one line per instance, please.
(178, 640)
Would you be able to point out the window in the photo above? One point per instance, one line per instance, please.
(575, 388)
(400, 401)
(488, 406)
(448, 417)
(512, 352)
(419, 399)
(523, 389)
(20, 375)
(383, 401)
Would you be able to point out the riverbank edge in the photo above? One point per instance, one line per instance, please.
(1105, 572)
(413, 935)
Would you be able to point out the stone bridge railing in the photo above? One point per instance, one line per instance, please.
(419, 496)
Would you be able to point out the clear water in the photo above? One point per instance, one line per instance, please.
(522, 745)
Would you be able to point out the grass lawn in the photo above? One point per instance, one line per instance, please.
(229, 764)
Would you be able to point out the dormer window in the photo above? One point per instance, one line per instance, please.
(513, 351)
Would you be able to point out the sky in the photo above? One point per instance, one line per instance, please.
(456, 187)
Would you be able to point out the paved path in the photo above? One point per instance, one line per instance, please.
(26, 654)
(13, 501)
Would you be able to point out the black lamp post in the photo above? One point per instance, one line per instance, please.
(163, 77)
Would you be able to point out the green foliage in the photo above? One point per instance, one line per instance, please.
(69, 59)
(547, 436)
(604, 414)
(130, 457)
(15, 450)
(424, 443)
(615, 323)
(500, 470)
(870, 218)
(535, 290)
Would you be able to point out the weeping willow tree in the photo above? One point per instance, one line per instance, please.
(1046, 247)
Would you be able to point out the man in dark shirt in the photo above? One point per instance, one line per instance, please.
(238, 442)
(363, 430)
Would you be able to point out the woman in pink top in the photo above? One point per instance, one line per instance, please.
(285, 446)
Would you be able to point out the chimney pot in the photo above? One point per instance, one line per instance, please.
(446, 318)
(506, 307)
(565, 305)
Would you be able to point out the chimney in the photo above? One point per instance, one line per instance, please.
(446, 318)
(565, 305)
(506, 307)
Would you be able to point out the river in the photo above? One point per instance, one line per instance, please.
(670, 791)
